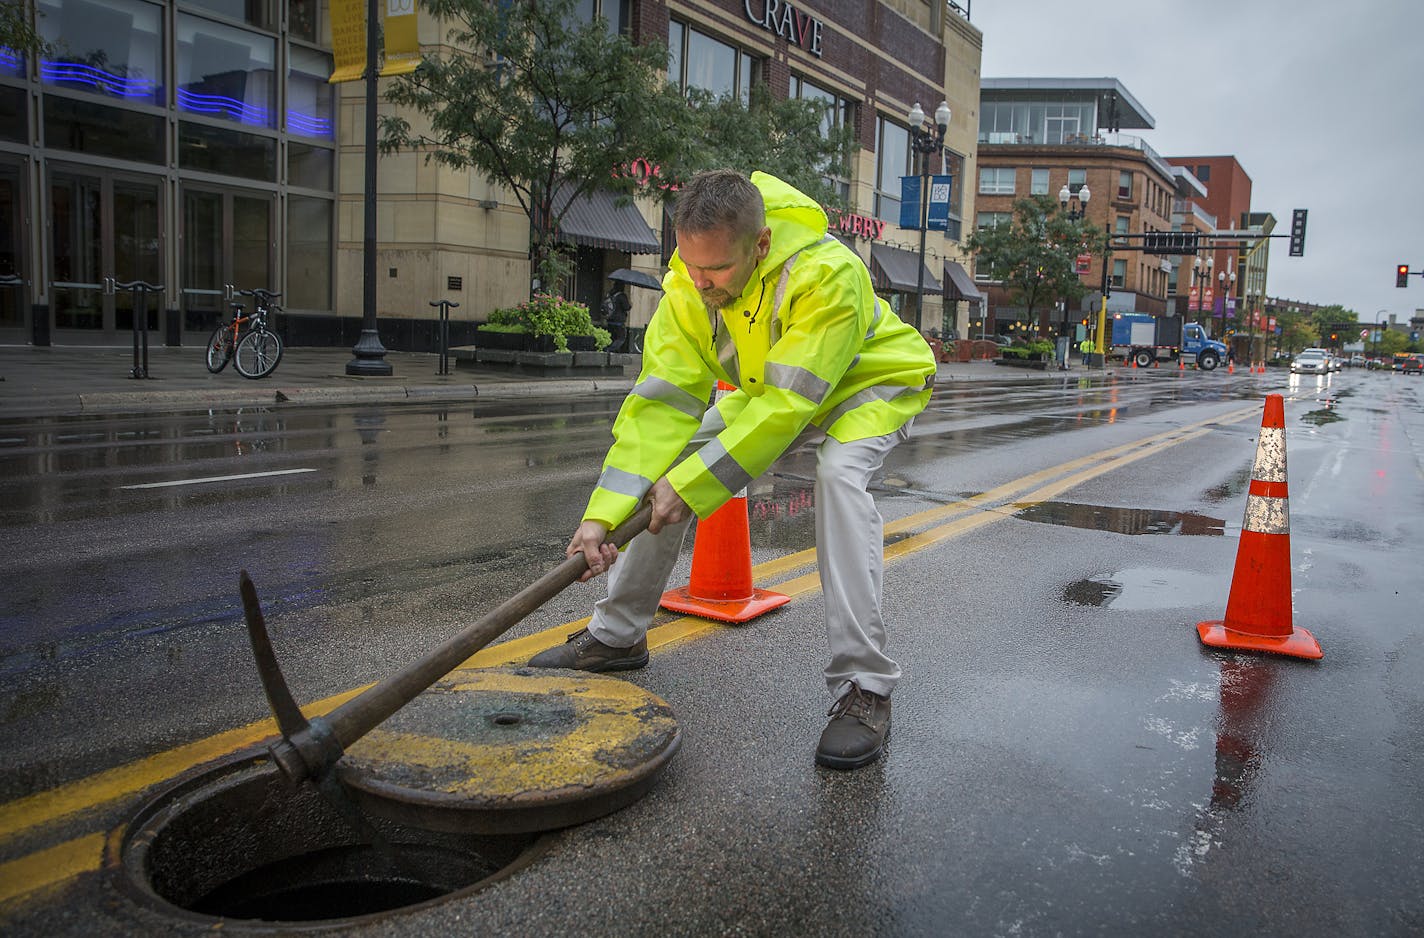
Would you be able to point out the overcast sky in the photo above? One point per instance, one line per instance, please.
(1321, 103)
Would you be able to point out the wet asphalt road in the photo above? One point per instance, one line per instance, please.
(1066, 757)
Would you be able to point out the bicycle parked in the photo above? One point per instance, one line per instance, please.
(246, 341)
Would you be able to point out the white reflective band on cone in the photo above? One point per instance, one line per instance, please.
(1267, 515)
(1270, 455)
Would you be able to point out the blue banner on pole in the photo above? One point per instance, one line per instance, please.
(940, 187)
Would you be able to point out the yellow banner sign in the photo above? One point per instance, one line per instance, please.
(402, 40)
(348, 39)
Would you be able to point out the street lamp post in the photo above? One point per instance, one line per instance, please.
(1228, 288)
(1202, 272)
(926, 139)
(1075, 207)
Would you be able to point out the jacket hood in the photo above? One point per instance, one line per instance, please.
(795, 219)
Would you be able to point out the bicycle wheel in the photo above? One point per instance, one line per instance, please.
(257, 354)
(219, 348)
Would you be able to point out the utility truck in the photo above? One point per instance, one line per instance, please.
(1146, 340)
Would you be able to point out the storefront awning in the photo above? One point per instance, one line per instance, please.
(959, 285)
(898, 271)
(598, 221)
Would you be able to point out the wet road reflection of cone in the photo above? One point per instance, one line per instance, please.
(720, 586)
(1258, 611)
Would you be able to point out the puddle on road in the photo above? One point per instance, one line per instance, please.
(1122, 520)
(1145, 588)
(1326, 414)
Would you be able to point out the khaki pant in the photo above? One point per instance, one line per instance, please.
(849, 554)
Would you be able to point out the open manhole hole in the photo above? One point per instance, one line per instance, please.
(450, 793)
(240, 847)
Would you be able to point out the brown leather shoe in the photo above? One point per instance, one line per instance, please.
(860, 723)
(583, 652)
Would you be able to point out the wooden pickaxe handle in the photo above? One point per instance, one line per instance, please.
(317, 744)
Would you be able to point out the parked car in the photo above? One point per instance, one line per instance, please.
(1311, 361)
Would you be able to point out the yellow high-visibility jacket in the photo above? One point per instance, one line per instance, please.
(807, 342)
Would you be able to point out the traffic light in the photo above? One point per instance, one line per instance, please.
(1401, 275)
(1297, 234)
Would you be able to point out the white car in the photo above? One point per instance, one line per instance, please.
(1311, 361)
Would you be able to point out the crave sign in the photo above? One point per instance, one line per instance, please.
(777, 16)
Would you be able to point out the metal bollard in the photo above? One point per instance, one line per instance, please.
(445, 307)
(140, 289)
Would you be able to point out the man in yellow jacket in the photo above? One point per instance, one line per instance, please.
(760, 296)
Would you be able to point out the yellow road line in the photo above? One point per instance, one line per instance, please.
(35, 871)
(48, 867)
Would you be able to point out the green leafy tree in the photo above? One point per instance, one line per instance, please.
(17, 32)
(1034, 254)
(790, 138)
(536, 101)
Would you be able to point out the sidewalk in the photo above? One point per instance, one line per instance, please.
(67, 380)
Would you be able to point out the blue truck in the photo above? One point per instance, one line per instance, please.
(1146, 340)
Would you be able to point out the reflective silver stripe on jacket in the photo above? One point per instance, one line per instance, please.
(622, 482)
(723, 467)
(882, 392)
(798, 380)
(665, 392)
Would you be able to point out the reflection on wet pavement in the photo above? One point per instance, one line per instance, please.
(1146, 588)
(1122, 520)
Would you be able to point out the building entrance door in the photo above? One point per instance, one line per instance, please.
(102, 224)
(227, 243)
(14, 264)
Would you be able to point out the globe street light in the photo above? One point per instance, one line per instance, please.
(1066, 199)
(1201, 271)
(926, 140)
(1075, 207)
(1228, 288)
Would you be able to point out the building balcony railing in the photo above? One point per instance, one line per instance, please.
(1183, 206)
(958, 10)
(1128, 141)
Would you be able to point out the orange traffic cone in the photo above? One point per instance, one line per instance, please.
(1258, 611)
(1231, 368)
(720, 586)
(1181, 365)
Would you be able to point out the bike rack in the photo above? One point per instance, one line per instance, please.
(141, 289)
(445, 307)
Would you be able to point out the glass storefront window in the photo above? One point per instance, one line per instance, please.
(111, 47)
(892, 160)
(310, 167)
(12, 114)
(309, 98)
(301, 19)
(230, 152)
(696, 60)
(309, 260)
(98, 129)
(12, 63)
(254, 12)
(225, 72)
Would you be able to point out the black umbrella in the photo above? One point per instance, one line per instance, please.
(635, 277)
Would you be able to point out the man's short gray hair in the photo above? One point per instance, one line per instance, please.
(720, 200)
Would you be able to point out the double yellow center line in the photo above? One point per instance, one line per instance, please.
(908, 535)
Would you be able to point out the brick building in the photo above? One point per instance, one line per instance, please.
(1037, 135)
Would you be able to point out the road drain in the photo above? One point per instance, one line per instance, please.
(238, 847)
